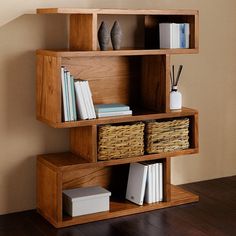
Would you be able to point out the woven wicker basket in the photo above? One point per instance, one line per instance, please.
(120, 141)
(167, 136)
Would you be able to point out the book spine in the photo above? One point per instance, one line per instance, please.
(153, 183)
(157, 187)
(90, 100)
(73, 98)
(115, 113)
(182, 36)
(187, 34)
(148, 193)
(80, 101)
(67, 95)
(85, 98)
(161, 181)
(64, 99)
(111, 109)
(71, 115)
(175, 36)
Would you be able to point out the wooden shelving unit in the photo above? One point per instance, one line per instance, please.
(137, 75)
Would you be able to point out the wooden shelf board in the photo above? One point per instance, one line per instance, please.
(179, 196)
(122, 52)
(68, 161)
(116, 11)
(137, 116)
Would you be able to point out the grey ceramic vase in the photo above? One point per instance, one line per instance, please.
(116, 35)
(103, 36)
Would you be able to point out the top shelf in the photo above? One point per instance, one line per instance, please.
(115, 11)
(140, 29)
(123, 52)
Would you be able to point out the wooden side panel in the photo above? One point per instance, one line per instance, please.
(193, 132)
(83, 29)
(83, 142)
(49, 193)
(194, 41)
(167, 81)
(48, 88)
(111, 79)
(167, 180)
(154, 83)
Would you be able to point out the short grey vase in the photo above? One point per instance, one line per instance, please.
(103, 36)
(116, 36)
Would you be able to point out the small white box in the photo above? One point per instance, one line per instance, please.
(86, 200)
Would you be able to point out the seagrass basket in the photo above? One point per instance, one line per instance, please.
(167, 136)
(120, 141)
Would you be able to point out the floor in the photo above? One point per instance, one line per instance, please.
(214, 215)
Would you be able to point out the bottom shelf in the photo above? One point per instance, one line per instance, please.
(179, 196)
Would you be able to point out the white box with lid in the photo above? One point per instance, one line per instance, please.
(86, 200)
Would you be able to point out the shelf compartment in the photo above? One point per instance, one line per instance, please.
(136, 81)
(89, 149)
(179, 196)
(140, 27)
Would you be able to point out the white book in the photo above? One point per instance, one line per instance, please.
(114, 113)
(85, 97)
(157, 184)
(136, 183)
(184, 35)
(69, 82)
(73, 98)
(165, 32)
(175, 35)
(91, 106)
(187, 34)
(64, 95)
(148, 189)
(161, 181)
(80, 102)
(153, 182)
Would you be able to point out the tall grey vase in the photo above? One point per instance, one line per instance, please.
(103, 36)
(116, 36)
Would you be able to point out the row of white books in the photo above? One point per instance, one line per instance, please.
(77, 98)
(174, 35)
(145, 183)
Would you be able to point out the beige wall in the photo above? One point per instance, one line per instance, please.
(208, 84)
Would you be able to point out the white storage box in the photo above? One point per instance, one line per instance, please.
(86, 200)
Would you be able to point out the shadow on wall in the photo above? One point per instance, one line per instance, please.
(22, 136)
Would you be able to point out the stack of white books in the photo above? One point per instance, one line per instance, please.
(84, 100)
(145, 183)
(114, 109)
(76, 98)
(173, 35)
